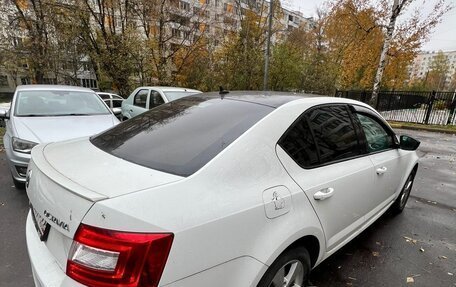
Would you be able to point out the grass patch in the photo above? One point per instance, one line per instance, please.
(436, 128)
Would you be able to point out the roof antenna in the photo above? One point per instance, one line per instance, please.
(223, 92)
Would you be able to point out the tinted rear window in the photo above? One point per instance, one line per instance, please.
(334, 133)
(182, 136)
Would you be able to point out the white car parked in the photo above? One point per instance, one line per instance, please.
(113, 101)
(233, 190)
(145, 98)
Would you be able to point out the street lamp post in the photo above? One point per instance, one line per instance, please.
(268, 47)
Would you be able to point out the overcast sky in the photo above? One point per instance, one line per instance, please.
(442, 38)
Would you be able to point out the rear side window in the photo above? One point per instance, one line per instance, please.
(334, 133)
(320, 136)
(140, 99)
(155, 99)
(181, 136)
(299, 144)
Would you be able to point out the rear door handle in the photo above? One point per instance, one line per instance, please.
(324, 193)
(381, 170)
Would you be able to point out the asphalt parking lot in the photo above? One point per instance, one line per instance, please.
(419, 245)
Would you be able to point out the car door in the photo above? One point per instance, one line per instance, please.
(155, 99)
(140, 100)
(322, 152)
(381, 144)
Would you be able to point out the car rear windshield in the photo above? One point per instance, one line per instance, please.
(182, 136)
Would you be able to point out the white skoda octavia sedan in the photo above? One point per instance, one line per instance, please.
(243, 189)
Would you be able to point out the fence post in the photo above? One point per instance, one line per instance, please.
(363, 96)
(429, 107)
(377, 104)
(452, 110)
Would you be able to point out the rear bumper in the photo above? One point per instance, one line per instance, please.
(46, 271)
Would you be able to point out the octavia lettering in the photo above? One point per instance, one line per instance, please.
(57, 221)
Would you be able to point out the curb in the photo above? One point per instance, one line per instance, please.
(424, 128)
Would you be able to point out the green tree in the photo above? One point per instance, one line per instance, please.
(286, 67)
(241, 56)
(436, 78)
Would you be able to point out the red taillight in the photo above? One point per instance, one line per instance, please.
(107, 258)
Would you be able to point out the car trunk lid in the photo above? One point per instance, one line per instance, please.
(93, 170)
(65, 180)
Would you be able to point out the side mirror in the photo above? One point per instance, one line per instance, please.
(116, 111)
(409, 143)
(4, 114)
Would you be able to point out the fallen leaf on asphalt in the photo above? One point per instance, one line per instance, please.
(375, 254)
(410, 280)
(421, 249)
(351, 278)
(410, 240)
(443, 257)
(378, 243)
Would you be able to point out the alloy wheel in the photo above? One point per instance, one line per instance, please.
(406, 192)
(290, 275)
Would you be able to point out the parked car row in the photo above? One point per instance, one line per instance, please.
(239, 189)
(45, 113)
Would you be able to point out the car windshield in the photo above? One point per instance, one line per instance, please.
(181, 136)
(174, 95)
(42, 103)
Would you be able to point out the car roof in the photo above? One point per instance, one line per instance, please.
(170, 89)
(52, 88)
(277, 99)
(267, 98)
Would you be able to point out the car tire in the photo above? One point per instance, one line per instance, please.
(19, 184)
(399, 205)
(292, 268)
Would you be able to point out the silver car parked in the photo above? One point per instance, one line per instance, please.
(42, 113)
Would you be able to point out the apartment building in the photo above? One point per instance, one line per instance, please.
(423, 61)
(14, 69)
(186, 21)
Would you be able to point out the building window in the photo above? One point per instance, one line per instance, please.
(25, 81)
(3, 81)
(89, 83)
(185, 6)
(176, 33)
(50, 81)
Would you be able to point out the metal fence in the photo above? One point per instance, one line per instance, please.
(437, 108)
